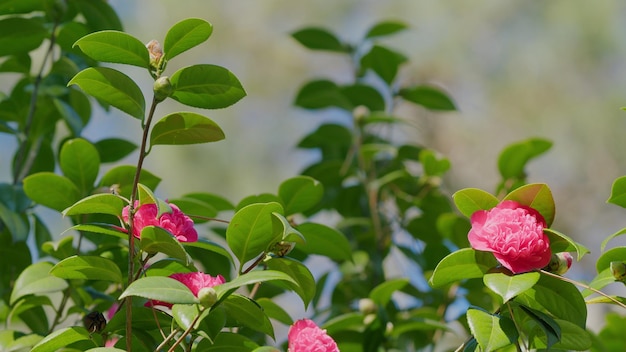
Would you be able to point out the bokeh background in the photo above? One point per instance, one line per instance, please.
(516, 69)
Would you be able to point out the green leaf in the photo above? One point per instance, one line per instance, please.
(80, 162)
(185, 128)
(514, 157)
(559, 298)
(185, 35)
(209, 246)
(300, 193)
(228, 342)
(161, 289)
(304, 284)
(491, 331)
(321, 94)
(618, 192)
(429, 97)
(463, 264)
(114, 149)
(14, 223)
(573, 337)
(361, 94)
(121, 179)
(155, 239)
(219, 203)
(87, 268)
(252, 277)
(283, 231)
(537, 196)
(318, 39)
(549, 326)
(470, 200)
(509, 286)
(274, 311)
(606, 240)
(185, 314)
(381, 294)
(196, 209)
(114, 46)
(326, 241)
(61, 338)
(206, 86)
(432, 165)
(612, 255)
(19, 35)
(248, 313)
(146, 196)
(250, 230)
(604, 278)
(103, 229)
(101, 203)
(384, 62)
(99, 15)
(561, 243)
(112, 87)
(385, 28)
(36, 279)
(51, 190)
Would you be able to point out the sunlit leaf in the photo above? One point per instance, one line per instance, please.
(87, 268)
(61, 338)
(537, 196)
(102, 203)
(470, 200)
(114, 46)
(382, 293)
(157, 240)
(324, 240)
(513, 159)
(491, 331)
(51, 190)
(206, 86)
(318, 39)
(161, 289)
(385, 28)
(304, 284)
(36, 279)
(300, 193)
(185, 128)
(463, 264)
(185, 35)
(509, 286)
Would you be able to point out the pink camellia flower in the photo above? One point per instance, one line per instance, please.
(195, 281)
(514, 234)
(305, 336)
(176, 222)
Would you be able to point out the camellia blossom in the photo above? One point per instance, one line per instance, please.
(305, 336)
(176, 222)
(514, 234)
(195, 281)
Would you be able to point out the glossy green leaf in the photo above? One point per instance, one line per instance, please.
(612, 255)
(185, 35)
(304, 284)
(429, 97)
(248, 313)
(618, 192)
(198, 210)
(275, 311)
(300, 193)
(161, 289)
(61, 338)
(209, 246)
(114, 46)
(228, 342)
(103, 229)
(509, 286)
(322, 94)
(112, 87)
(206, 86)
(562, 243)
(60, 249)
(385, 28)
(470, 200)
(612, 236)
(318, 39)
(573, 338)
(36, 279)
(463, 264)
(87, 268)
(185, 314)
(101, 203)
(556, 297)
(51, 190)
(324, 240)
(185, 128)
(250, 231)
(146, 196)
(382, 293)
(384, 62)
(604, 278)
(114, 149)
(283, 231)
(144, 318)
(14, 223)
(99, 15)
(219, 203)
(364, 95)
(257, 198)
(167, 267)
(19, 35)
(549, 326)
(491, 331)
(155, 239)
(121, 179)
(251, 278)
(513, 158)
(537, 196)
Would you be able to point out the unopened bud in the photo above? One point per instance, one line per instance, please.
(207, 297)
(618, 269)
(162, 88)
(367, 306)
(156, 52)
(369, 318)
(360, 112)
(560, 263)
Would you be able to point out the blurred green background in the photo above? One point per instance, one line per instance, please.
(516, 69)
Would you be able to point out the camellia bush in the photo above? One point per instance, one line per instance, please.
(141, 271)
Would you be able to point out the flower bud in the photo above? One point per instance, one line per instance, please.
(368, 319)
(360, 112)
(367, 306)
(560, 263)
(618, 269)
(162, 88)
(156, 52)
(207, 297)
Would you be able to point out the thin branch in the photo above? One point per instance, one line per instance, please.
(577, 283)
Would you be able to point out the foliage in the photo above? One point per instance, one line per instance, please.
(385, 194)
